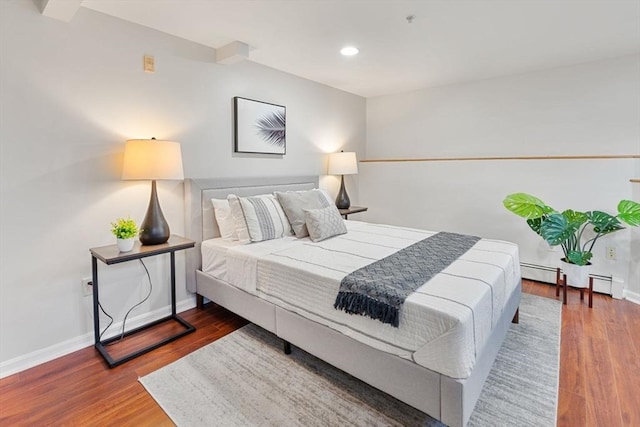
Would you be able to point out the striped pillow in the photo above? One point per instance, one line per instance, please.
(263, 217)
(238, 219)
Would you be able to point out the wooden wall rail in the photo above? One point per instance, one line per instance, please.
(636, 180)
(464, 159)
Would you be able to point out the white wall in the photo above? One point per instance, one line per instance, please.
(634, 273)
(71, 94)
(588, 109)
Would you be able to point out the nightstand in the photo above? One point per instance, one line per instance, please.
(111, 255)
(351, 210)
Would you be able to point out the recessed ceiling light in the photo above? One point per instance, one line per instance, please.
(349, 51)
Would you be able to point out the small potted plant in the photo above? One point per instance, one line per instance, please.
(125, 231)
(567, 229)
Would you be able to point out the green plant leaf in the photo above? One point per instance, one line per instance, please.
(526, 206)
(575, 217)
(604, 223)
(579, 257)
(556, 229)
(629, 212)
(535, 224)
(124, 228)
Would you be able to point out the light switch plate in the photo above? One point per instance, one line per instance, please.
(149, 64)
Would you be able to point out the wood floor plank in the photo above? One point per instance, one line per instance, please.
(603, 406)
(623, 342)
(599, 351)
(572, 361)
(572, 409)
(631, 314)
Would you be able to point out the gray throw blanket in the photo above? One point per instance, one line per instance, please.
(379, 289)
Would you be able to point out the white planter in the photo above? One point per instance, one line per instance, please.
(577, 275)
(125, 245)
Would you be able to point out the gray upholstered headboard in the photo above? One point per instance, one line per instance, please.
(199, 220)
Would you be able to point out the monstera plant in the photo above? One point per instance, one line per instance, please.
(567, 228)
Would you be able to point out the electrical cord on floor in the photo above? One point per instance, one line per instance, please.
(124, 322)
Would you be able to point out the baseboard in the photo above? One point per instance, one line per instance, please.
(631, 296)
(547, 274)
(38, 357)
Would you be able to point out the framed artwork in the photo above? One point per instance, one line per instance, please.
(260, 127)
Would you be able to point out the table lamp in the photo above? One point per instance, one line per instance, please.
(343, 164)
(150, 159)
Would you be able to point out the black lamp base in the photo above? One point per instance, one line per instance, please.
(155, 229)
(342, 201)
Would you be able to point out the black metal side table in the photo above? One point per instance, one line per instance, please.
(351, 210)
(111, 255)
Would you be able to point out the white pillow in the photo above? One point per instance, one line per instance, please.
(224, 219)
(263, 217)
(324, 223)
(239, 222)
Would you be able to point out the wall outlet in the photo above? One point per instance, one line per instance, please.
(610, 253)
(87, 286)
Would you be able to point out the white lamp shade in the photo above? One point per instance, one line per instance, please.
(151, 159)
(343, 163)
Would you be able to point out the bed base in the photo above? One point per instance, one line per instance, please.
(446, 399)
(287, 347)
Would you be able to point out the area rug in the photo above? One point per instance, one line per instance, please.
(245, 379)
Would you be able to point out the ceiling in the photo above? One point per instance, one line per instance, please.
(449, 41)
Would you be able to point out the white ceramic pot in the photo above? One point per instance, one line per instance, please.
(125, 245)
(577, 275)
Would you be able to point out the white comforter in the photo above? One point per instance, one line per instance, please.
(443, 325)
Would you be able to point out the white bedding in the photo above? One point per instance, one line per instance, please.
(443, 325)
(214, 251)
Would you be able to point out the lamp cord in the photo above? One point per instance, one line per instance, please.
(110, 320)
(124, 322)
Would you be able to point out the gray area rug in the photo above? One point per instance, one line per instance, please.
(244, 379)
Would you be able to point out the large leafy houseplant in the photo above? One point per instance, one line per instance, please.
(567, 228)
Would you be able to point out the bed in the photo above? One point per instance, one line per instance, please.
(439, 375)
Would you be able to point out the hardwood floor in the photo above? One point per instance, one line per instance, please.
(80, 390)
(599, 366)
(599, 360)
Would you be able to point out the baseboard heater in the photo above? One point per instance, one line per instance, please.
(551, 281)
